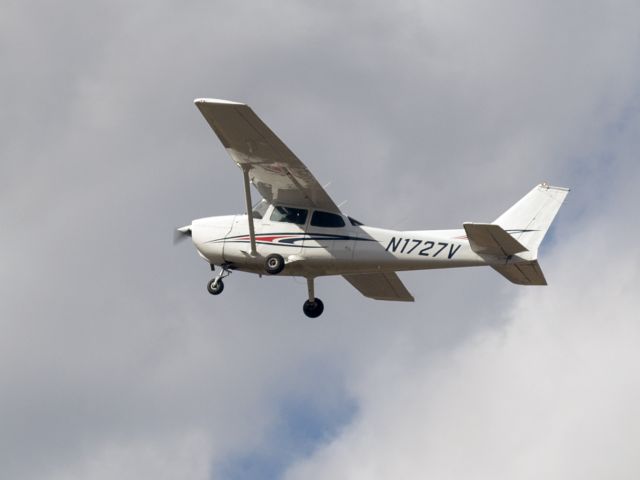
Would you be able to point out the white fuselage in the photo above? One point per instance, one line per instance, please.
(319, 250)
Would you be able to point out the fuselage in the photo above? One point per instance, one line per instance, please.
(316, 243)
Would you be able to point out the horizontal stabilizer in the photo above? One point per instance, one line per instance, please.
(489, 239)
(528, 273)
(380, 286)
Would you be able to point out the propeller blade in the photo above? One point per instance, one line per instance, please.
(181, 233)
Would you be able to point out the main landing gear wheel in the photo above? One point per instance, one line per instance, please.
(215, 288)
(274, 264)
(313, 309)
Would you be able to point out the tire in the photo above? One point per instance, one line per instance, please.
(217, 289)
(274, 264)
(313, 309)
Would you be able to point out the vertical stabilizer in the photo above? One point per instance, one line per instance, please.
(529, 219)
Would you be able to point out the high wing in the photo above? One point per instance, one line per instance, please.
(273, 169)
(380, 286)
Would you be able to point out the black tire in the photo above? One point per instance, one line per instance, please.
(274, 264)
(217, 289)
(313, 309)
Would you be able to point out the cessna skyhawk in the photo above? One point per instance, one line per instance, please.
(298, 230)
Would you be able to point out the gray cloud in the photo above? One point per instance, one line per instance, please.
(115, 360)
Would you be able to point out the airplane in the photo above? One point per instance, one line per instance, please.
(296, 229)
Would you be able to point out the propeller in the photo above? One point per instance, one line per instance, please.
(181, 233)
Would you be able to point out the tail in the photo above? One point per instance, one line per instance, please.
(530, 218)
(520, 229)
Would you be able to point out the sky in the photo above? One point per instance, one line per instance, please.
(116, 363)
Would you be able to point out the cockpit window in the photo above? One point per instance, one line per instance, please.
(355, 222)
(289, 215)
(326, 219)
(260, 208)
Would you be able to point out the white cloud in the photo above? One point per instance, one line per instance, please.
(554, 393)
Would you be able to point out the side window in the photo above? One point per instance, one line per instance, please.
(260, 209)
(326, 219)
(289, 215)
(355, 222)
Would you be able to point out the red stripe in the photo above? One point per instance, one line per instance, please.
(268, 238)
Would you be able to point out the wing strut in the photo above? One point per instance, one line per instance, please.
(247, 198)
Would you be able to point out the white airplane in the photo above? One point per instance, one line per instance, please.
(298, 230)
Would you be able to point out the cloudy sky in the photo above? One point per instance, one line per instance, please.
(116, 363)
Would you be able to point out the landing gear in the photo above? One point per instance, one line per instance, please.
(313, 307)
(215, 286)
(274, 264)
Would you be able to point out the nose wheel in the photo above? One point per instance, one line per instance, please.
(313, 307)
(215, 286)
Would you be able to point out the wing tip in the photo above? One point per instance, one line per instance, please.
(199, 101)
